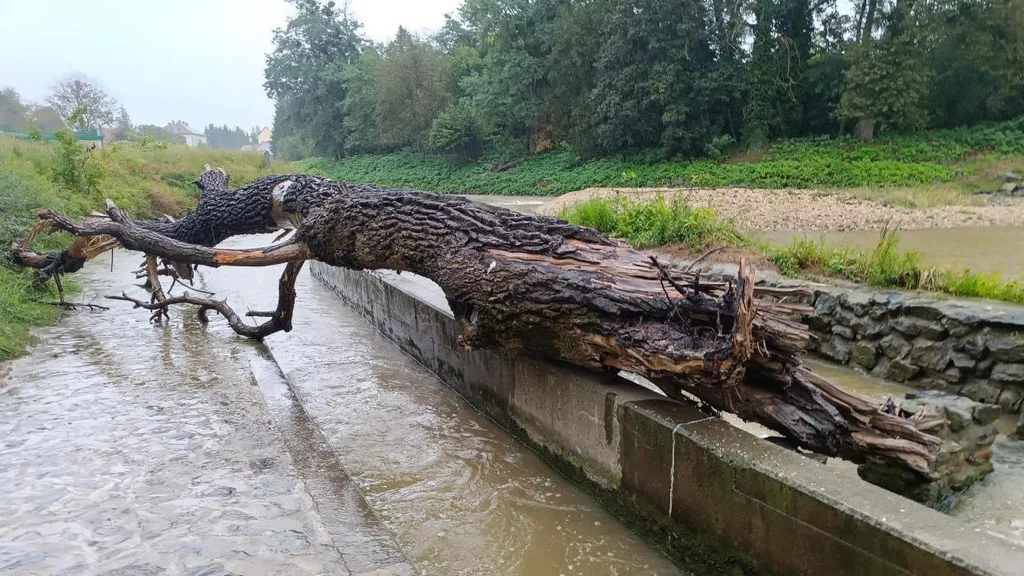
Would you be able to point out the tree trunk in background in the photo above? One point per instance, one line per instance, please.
(865, 129)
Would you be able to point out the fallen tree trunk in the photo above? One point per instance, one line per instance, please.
(541, 286)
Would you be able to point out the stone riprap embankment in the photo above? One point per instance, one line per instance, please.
(973, 348)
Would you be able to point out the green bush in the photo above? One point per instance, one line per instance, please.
(455, 134)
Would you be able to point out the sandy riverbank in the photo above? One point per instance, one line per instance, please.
(788, 210)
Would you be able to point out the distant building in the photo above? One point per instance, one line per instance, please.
(192, 138)
(265, 136)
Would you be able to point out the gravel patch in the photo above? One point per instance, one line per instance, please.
(813, 210)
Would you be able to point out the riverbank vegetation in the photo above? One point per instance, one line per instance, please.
(146, 178)
(913, 170)
(663, 221)
(548, 96)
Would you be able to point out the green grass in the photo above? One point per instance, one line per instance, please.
(929, 159)
(147, 181)
(661, 221)
(654, 222)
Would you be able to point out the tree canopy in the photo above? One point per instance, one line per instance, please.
(677, 77)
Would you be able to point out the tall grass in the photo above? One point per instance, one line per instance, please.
(662, 221)
(653, 222)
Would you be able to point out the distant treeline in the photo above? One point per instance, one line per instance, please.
(674, 77)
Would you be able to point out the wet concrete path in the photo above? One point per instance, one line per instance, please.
(130, 448)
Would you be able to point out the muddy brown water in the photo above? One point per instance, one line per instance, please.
(130, 448)
(983, 249)
(996, 504)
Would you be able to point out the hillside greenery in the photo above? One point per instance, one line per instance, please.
(146, 179)
(913, 160)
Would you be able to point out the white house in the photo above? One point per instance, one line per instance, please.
(265, 136)
(192, 138)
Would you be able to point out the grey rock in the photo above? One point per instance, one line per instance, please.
(1020, 426)
(1009, 188)
(956, 328)
(844, 332)
(914, 326)
(837, 349)
(824, 304)
(982, 391)
(864, 354)
(985, 414)
(962, 360)
(924, 311)
(1011, 398)
(1010, 373)
(972, 345)
(928, 354)
(882, 298)
(881, 369)
(1011, 177)
(865, 327)
(984, 367)
(894, 346)
(959, 415)
(945, 377)
(857, 301)
(901, 371)
(1006, 347)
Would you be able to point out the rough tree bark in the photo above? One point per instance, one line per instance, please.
(540, 286)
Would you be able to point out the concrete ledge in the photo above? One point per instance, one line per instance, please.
(715, 498)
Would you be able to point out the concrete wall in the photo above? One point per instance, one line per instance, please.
(717, 499)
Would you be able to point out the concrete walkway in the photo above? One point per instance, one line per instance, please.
(130, 450)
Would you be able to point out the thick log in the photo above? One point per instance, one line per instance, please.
(547, 288)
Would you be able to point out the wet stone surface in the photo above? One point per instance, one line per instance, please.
(127, 450)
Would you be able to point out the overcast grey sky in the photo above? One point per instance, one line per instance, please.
(195, 60)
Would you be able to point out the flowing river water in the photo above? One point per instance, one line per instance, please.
(133, 448)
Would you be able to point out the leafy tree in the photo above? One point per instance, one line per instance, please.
(77, 93)
(13, 113)
(887, 80)
(222, 137)
(456, 134)
(410, 91)
(158, 134)
(122, 124)
(304, 74)
(360, 106)
(45, 118)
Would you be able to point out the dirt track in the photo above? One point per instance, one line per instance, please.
(784, 210)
